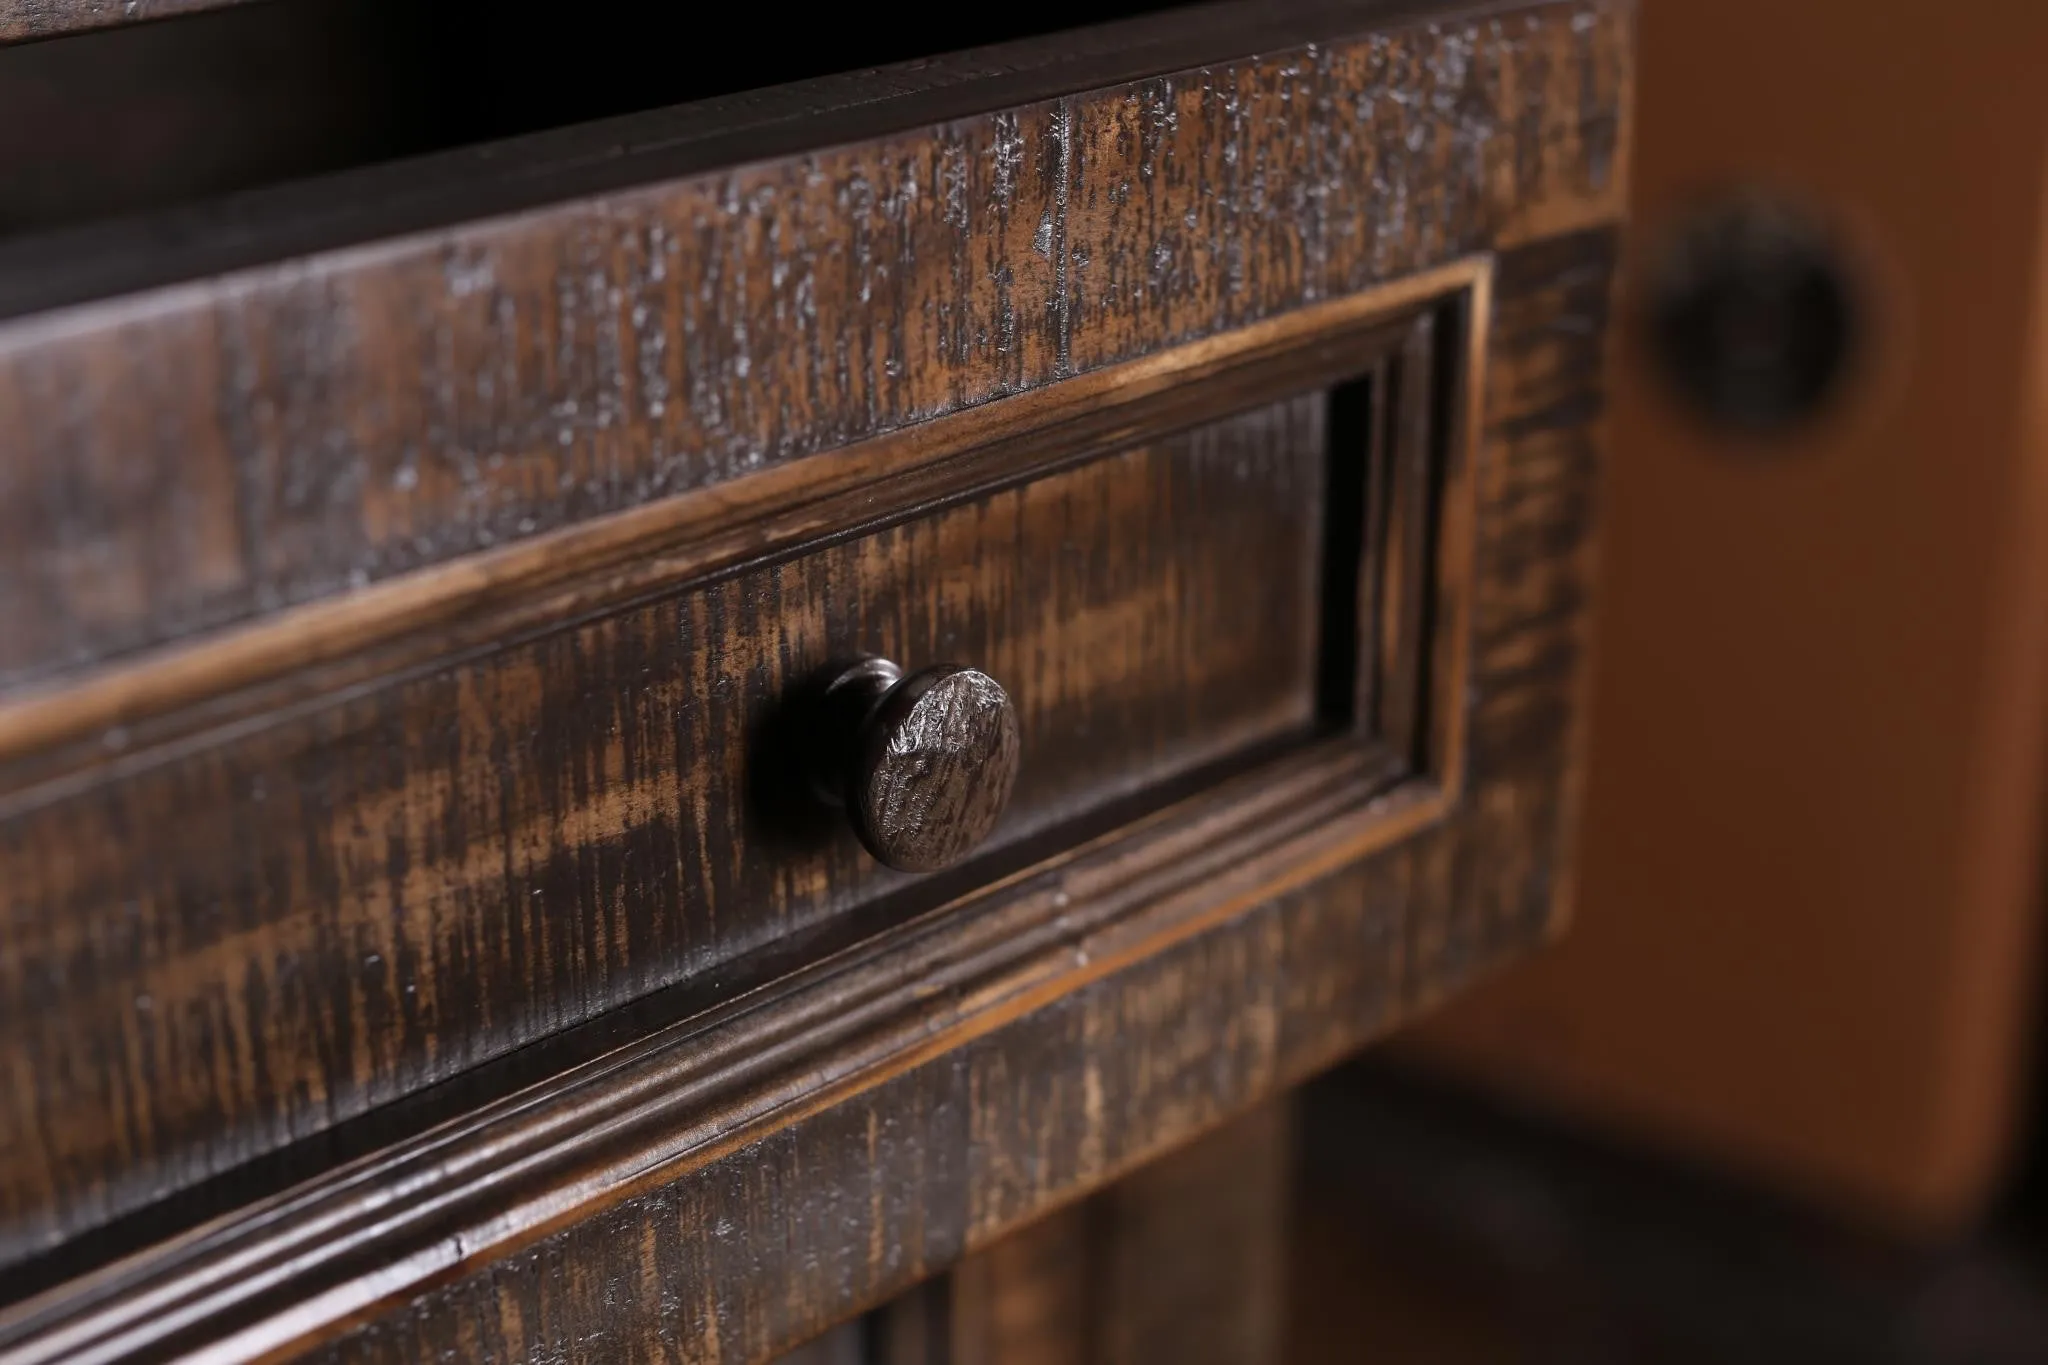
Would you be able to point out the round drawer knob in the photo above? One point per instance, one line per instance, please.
(923, 764)
(1754, 316)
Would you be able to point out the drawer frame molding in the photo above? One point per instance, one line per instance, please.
(136, 714)
(286, 1272)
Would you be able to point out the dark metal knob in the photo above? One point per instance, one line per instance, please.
(1753, 317)
(924, 764)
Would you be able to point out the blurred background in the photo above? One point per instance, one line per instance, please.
(1777, 1095)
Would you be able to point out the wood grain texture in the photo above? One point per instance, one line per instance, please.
(589, 1136)
(443, 871)
(358, 413)
(944, 1158)
(122, 719)
(690, 1092)
(240, 947)
(1183, 1260)
(24, 19)
(743, 1231)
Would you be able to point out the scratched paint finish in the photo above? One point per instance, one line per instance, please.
(203, 456)
(762, 1249)
(241, 947)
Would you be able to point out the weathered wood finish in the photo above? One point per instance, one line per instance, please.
(238, 948)
(24, 19)
(740, 1227)
(123, 719)
(1183, 1261)
(903, 1179)
(681, 1097)
(361, 413)
(382, 868)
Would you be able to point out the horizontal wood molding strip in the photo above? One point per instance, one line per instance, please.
(113, 721)
(385, 204)
(21, 20)
(196, 456)
(297, 1268)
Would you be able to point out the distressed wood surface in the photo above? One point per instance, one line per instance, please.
(941, 1160)
(263, 924)
(122, 718)
(1184, 1260)
(287, 1270)
(235, 949)
(772, 1223)
(24, 19)
(359, 413)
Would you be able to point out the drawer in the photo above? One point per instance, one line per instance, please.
(417, 884)
(349, 902)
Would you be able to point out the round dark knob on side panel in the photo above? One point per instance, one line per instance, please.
(1754, 319)
(923, 764)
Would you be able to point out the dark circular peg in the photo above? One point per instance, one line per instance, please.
(923, 764)
(1753, 316)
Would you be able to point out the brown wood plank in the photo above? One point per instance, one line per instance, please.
(1182, 1260)
(984, 1138)
(210, 453)
(829, 1177)
(314, 652)
(21, 20)
(232, 950)
(823, 1170)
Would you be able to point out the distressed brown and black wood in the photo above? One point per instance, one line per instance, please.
(421, 933)
(354, 414)
(1186, 1260)
(460, 863)
(21, 19)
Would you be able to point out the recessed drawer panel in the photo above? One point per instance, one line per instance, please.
(246, 934)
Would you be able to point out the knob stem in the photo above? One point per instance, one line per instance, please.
(849, 699)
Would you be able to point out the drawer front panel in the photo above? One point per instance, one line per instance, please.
(239, 948)
(728, 1184)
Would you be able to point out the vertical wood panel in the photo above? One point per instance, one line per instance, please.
(1183, 1260)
